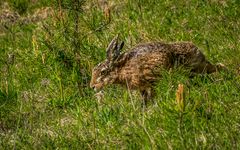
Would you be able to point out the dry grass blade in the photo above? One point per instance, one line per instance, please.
(180, 96)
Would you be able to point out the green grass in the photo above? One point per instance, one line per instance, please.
(46, 102)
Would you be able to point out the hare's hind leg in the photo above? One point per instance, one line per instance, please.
(217, 67)
(208, 67)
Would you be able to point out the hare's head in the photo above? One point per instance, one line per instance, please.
(104, 73)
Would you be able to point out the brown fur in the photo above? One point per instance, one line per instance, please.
(140, 67)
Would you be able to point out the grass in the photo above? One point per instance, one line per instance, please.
(45, 69)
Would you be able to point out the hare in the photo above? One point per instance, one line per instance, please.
(140, 67)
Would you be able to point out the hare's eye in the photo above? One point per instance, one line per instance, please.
(104, 72)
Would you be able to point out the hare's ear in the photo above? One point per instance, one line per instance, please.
(111, 49)
(119, 47)
(117, 51)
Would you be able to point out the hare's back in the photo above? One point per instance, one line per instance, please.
(148, 48)
(144, 65)
(145, 61)
(150, 55)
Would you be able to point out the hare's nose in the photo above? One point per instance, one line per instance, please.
(93, 87)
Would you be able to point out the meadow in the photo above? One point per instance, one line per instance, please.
(47, 52)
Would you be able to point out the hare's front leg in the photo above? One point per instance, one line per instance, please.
(147, 95)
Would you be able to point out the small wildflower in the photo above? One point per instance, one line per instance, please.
(11, 58)
(25, 95)
(45, 82)
(99, 96)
